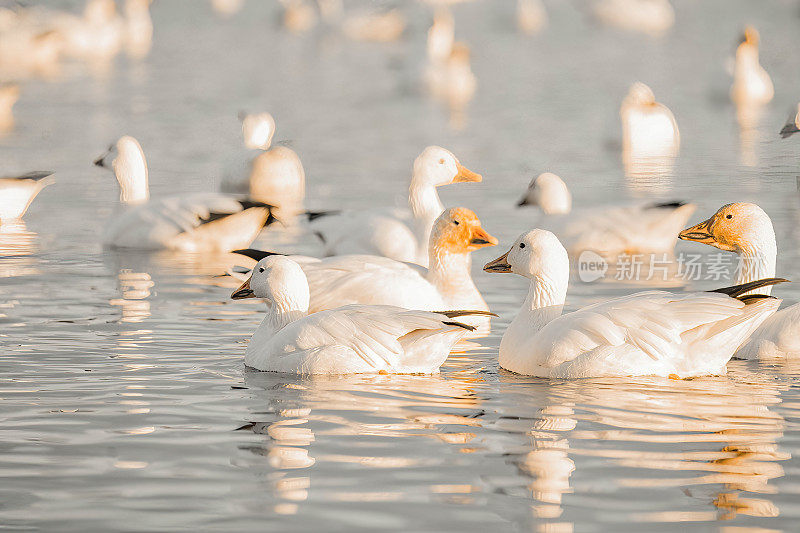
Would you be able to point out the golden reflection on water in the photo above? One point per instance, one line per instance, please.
(17, 243)
(748, 116)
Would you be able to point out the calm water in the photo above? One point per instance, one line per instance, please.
(125, 403)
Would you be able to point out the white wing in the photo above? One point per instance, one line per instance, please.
(778, 336)
(198, 221)
(356, 339)
(652, 332)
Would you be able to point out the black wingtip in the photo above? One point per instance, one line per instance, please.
(313, 215)
(788, 130)
(247, 203)
(735, 291)
(666, 205)
(252, 253)
(464, 312)
(460, 325)
(35, 175)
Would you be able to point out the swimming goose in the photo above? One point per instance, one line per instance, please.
(606, 230)
(17, 193)
(373, 280)
(792, 125)
(382, 231)
(751, 83)
(653, 17)
(276, 176)
(746, 230)
(138, 28)
(648, 127)
(349, 339)
(189, 222)
(531, 16)
(645, 333)
(98, 34)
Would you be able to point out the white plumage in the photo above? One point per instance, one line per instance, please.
(195, 222)
(746, 230)
(606, 230)
(17, 193)
(350, 339)
(384, 231)
(751, 83)
(647, 333)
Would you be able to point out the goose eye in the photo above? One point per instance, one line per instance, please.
(522, 245)
(456, 222)
(729, 217)
(441, 161)
(261, 269)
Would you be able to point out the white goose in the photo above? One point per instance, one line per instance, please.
(382, 231)
(9, 94)
(646, 333)
(648, 127)
(376, 280)
(606, 230)
(349, 339)
(751, 83)
(190, 222)
(653, 17)
(746, 230)
(17, 193)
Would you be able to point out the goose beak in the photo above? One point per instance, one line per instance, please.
(498, 265)
(465, 175)
(480, 238)
(700, 233)
(243, 292)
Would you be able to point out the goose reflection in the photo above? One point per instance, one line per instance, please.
(17, 245)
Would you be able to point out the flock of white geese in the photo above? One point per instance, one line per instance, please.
(394, 292)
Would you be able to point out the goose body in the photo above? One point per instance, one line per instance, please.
(749, 234)
(646, 333)
(653, 17)
(191, 223)
(606, 230)
(649, 128)
(371, 280)
(349, 339)
(751, 83)
(17, 193)
(383, 231)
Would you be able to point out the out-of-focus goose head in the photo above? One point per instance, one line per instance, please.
(550, 193)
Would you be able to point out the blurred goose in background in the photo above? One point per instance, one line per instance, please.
(441, 36)
(17, 193)
(275, 175)
(531, 16)
(751, 83)
(646, 333)
(98, 34)
(746, 230)
(792, 125)
(189, 222)
(226, 8)
(382, 231)
(138, 28)
(349, 339)
(373, 26)
(376, 280)
(654, 17)
(9, 94)
(606, 230)
(26, 48)
(299, 16)
(453, 82)
(648, 127)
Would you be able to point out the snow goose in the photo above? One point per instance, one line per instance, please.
(648, 127)
(372, 280)
(349, 339)
(382, 231)
(275, 174)
(189, 222)
(98, 34)
(606, 230)
(746, 230)
(646, 333)
(653, 17)
(751, 83)
(138, 28)
(531, 16)
(792, 125)
(17, 193)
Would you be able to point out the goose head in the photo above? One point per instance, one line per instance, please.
(738, 227)
(278, 280)
(458, 231)
(436, 166)
(537, 254)
(126, 159)
(550, 193)
(257, 130)
(640, 95)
